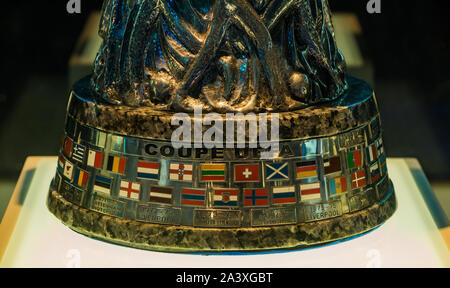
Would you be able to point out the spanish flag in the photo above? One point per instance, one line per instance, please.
(116, 164)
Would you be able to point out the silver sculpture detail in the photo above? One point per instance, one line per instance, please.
(225, 55)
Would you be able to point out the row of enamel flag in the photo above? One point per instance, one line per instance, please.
(217, 172)
(307, 171)
(222, 197)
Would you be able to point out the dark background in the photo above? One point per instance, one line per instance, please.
(408, 45)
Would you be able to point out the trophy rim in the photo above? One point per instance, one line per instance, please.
(291, 237)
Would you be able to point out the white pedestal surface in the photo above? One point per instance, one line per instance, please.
(409, 239)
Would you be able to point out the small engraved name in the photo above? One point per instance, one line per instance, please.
(108, 206)
(352, 138)
(71, 194)
(362, 200)
(383, 188)
(217, 218)
(161, 215)
(278, 216)
(323, 211)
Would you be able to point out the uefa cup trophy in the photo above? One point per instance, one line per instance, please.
(221, 125)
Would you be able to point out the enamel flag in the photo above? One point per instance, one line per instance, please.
(78, 152)
(58, 180)
(148, 170)
(354, 159)
(277, 171)
(383, 165)
(226, 197)
(67, 147)
(256, 197)
(161, 195)
(283, 195)
(337, 186)
(332, 165)
(375, 172)
(116, 164)
(246, 173)
(61, 164)
(193, 197)
(359, 179)
(213, 172)
(68, 170)
(130, 190)
(371, 153)
(81, 178)
(181, 172)
(95, 159)
(380, 147)
(307, 170)
(310, 191)
(102, 185)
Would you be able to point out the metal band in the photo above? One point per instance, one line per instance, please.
(150, 181)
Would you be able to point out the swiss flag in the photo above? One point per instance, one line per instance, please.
(246, 173)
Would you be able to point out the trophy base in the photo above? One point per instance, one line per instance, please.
(182, 239)
(120, 179)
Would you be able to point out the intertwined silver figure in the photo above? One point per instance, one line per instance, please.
(226, 55)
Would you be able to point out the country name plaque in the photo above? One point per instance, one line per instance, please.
(162, 215)
(323, 211)
(274, 216)
(107, 206)
(222, 125)
(217, 218)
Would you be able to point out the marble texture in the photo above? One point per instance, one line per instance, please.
(356, 108)
(191, 239)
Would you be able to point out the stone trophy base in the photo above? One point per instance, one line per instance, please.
(184, 239)
(100, 191)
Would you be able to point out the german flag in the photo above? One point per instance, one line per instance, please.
(116, 164)
(307, 170)
(213, 172)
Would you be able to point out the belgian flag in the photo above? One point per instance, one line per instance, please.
(116, 164)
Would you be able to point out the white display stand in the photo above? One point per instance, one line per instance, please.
(409, 239)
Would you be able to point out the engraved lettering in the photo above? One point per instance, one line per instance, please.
(269, 217)
(217, 218)
(323, 211)
(108, 206)
(158, 214)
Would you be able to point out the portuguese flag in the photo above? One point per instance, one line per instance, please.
(354, 159)
(213, 172)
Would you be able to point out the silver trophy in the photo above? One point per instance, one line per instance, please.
(221, 125)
